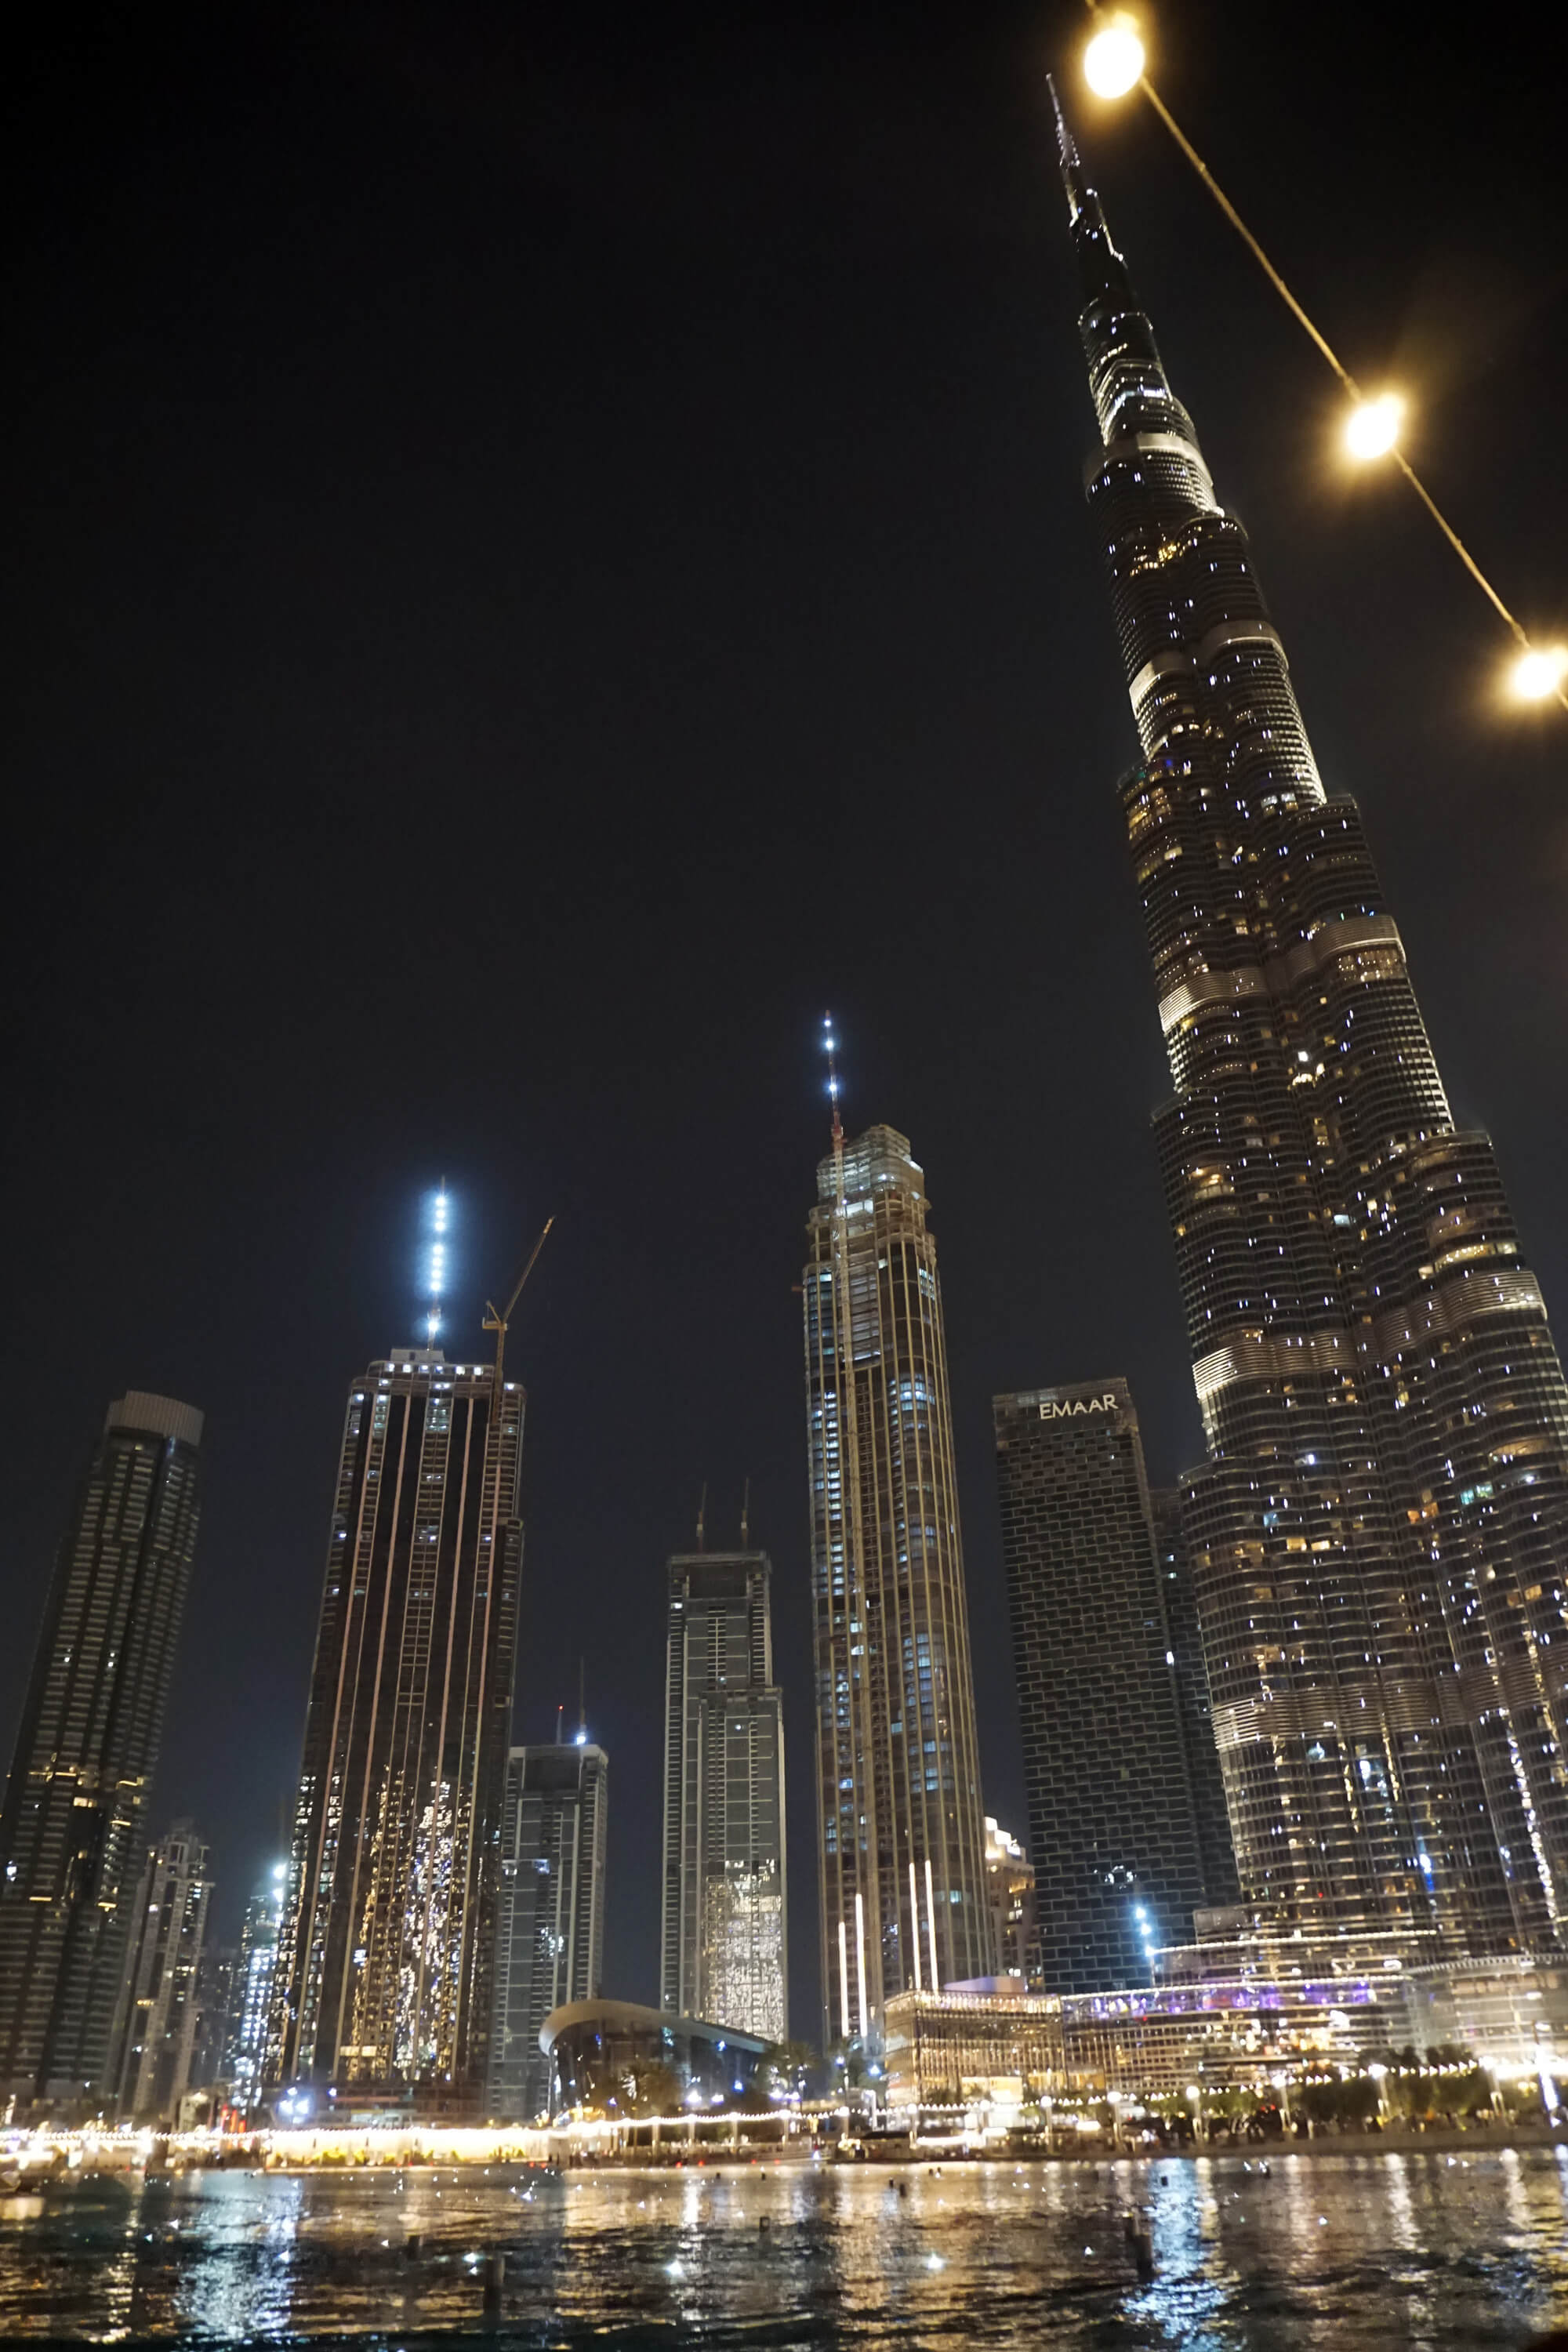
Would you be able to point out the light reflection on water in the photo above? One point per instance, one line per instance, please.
(1345, 2250)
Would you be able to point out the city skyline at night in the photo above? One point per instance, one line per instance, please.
(466, 731)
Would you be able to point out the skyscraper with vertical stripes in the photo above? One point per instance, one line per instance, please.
(724, 1946)
(1379, 1536)
(383, 1974)
(904, 1901)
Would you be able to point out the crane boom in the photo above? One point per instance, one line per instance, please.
(497, 1322)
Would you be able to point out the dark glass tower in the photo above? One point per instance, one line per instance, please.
(723, 1925)
(383, 1974)
(1113, 1815)
(1380, 1534)
(1216, 1856)
(73, 1833)
(904, 1901)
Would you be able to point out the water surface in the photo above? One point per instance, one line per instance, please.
(1365, 2250)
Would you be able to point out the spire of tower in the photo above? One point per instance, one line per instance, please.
(1065, 146)
(746, 1514)
(1101, 266)
(830, 1046)
(702, 1516)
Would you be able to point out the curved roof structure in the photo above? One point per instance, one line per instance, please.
(634, 2017)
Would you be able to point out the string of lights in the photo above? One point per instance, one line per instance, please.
(1113, 65)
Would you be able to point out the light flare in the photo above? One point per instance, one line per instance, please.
(1539, 672)
(1113, 61)
(1372, 428)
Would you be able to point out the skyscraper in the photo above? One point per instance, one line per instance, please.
(550, 1921)
(244, 2060)
(1010, 1885)
(902, 1849)
(159, 2010)
(1216, 1856)
(72, 1828)
(724, 1948)
(384, 1960)
(1112, 1822)
(1380, 1533)
(218, 1987)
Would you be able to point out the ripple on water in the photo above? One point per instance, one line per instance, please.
(1351, 2252)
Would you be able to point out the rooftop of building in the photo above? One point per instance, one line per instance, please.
(1103, 1400)
(156, 1416)
(880, 1156)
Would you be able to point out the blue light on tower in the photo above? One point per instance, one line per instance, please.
(437, 1267)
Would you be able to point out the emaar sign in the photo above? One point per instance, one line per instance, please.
(1053, 1409)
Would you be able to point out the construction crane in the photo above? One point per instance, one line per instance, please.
(497, 1322)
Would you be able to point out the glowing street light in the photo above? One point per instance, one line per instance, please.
(1536, 677)
(1372, 428)
(1113, 61)
(1113, 65)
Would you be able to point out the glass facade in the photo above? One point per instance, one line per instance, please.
(550, 1922)
(73, 1833)
(619, 2059)
(256, 1977)
(724, 1949)
(902, 1849)
(1216, 1856)
(159, 2007)
(1379, 1536)
(385, 1966)
(1113, 1823)
(1010, 1885)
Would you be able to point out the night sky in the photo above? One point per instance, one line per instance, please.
(547, 549)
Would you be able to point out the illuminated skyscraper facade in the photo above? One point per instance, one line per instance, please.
(1379, 1536)
(550, 1922)
(902, 1848)
(159, 2005)
(1113, 1822)
(385, 1965)
(73, 1833)
(725, 1954)
(245, 2058)
(1010, 1885)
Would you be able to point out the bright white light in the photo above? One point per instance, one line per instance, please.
(1372, 428)
(1534, 675)
(582, 1739)
(1113, 61)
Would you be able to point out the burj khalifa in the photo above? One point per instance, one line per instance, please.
(1379, 1533)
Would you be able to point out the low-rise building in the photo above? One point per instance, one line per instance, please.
(621, 2060)
(996, 2055)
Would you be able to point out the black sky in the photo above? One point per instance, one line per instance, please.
(546, 547)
